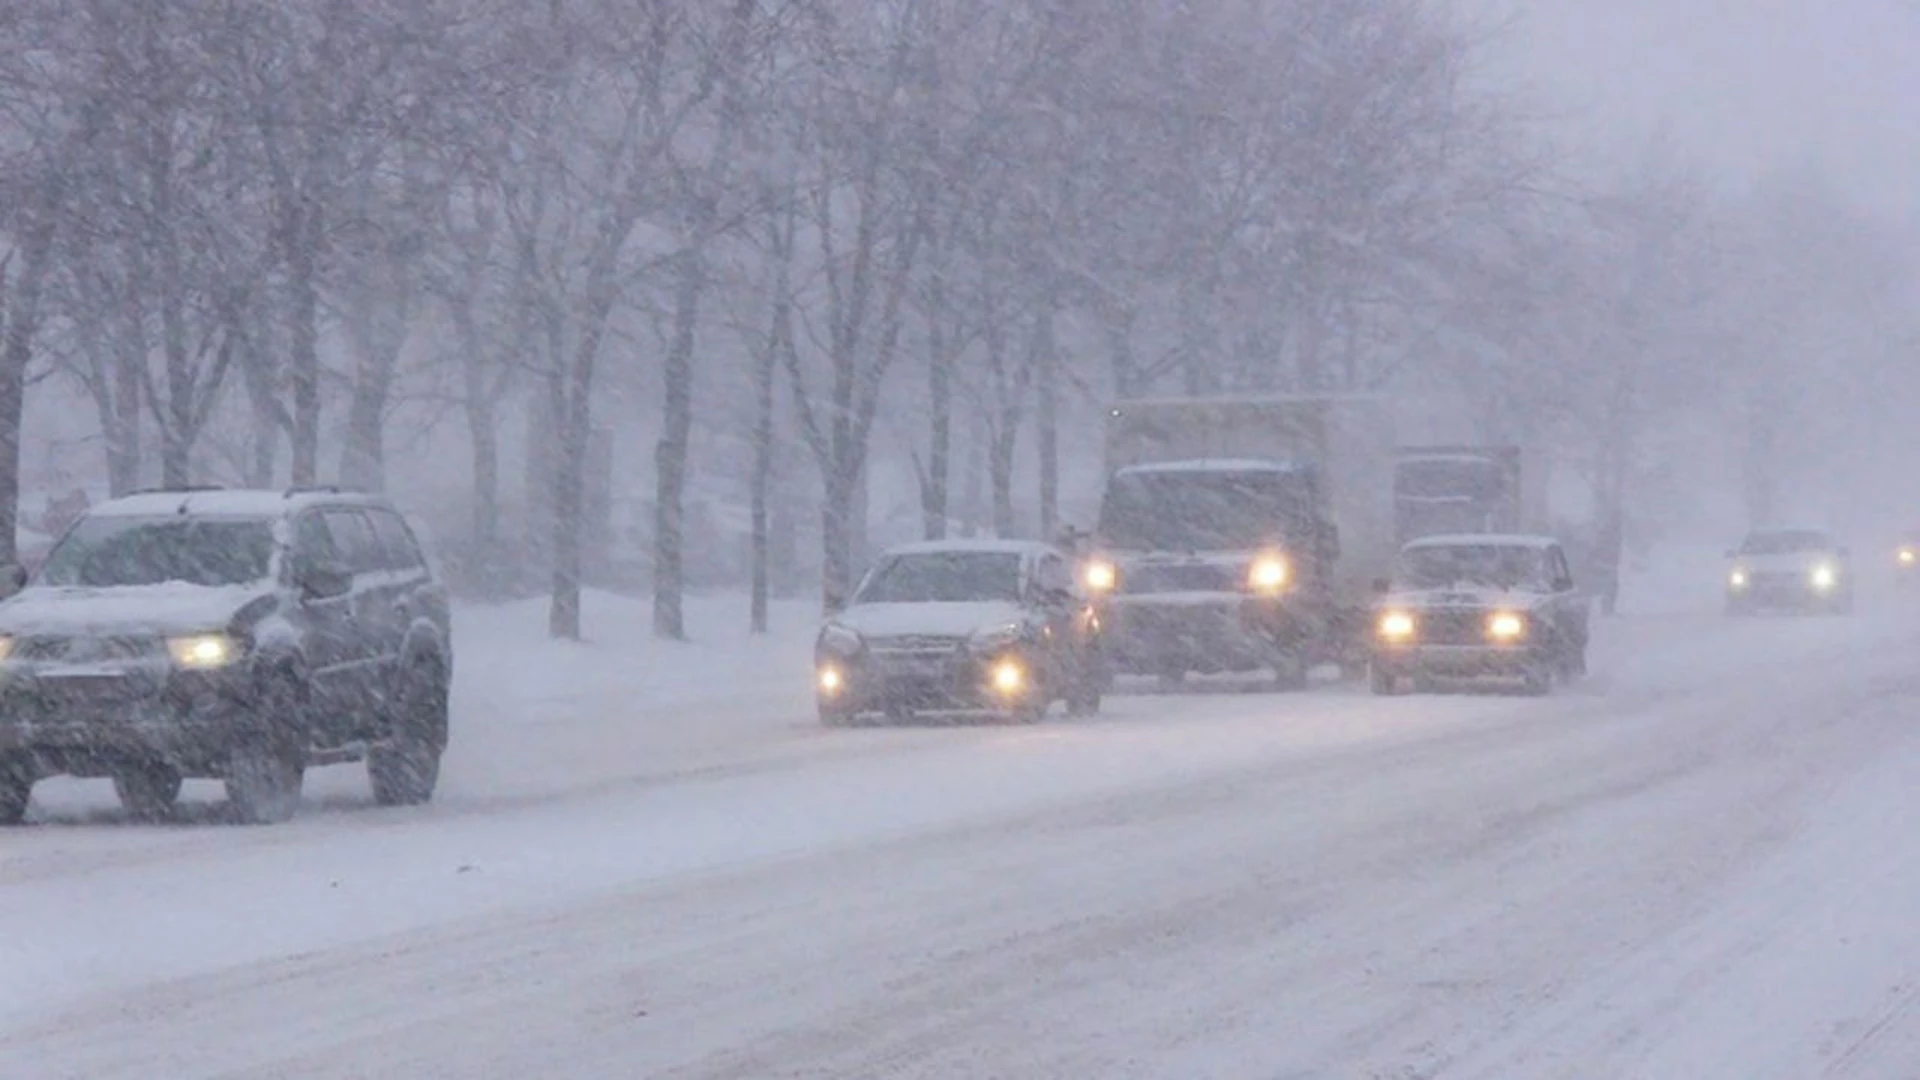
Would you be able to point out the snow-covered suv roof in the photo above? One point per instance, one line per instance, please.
(939, 547)
(1526, 540)
(234, 503)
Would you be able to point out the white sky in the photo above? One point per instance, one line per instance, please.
(1743, 85)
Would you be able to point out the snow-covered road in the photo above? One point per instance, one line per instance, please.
(1698, 864)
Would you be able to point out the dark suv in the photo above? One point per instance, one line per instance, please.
(243, 635)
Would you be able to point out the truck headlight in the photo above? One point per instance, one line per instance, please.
(1824, 577)
(1397, 626)
(1506, 626)
(1268, 574)
(201, 652)
(1100, 576)
(832, 680)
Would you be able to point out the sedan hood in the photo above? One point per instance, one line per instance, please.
(941, 620)
(1485, 596)
(146, 609)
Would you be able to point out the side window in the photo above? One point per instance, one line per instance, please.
(402, 551)
(359, 546)
(313, 541)
(1562, 575)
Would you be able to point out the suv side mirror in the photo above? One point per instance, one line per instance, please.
(324, 580)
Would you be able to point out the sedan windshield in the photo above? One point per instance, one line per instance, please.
(1502, 566)
(943, 577)
(109, 552)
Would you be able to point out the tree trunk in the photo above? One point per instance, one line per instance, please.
(123, 429)
(1000, 472)
(22, 322)
(1047, 424)
(303, 361)
(762, 470)
(836, 539)
(939, 480)
(363, 458)
(670, 459)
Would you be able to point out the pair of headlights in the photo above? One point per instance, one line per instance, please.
(1267, 574)
(1822, 577)
(1007, 676)
(1502, 626)
(194, 652)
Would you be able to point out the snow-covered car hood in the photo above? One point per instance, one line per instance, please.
(946, 620)
(1463, 596)
(171, 608)
(1790, 562)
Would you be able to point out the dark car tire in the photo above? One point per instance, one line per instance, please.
(16, 790)
(148, 790)
(1382, 681)
(1290, 672)
(264, 783)
(1537, 680)
(404, 769)
(1085, 699)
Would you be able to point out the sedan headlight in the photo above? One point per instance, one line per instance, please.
(839, 640)
(1737, 578)
(1824, 577)
(203, 651)
(1506, 626)
(1397, 626)
(1268, 574)
(1009, 677)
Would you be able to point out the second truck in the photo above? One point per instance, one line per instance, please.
(1241, 535)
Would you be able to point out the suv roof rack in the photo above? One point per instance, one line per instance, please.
(182, 489)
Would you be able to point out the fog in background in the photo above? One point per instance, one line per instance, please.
(666, 298)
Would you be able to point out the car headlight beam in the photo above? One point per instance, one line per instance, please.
(1268, 574)
(1397, 626)
(832, 680)
(202, 652)
(1506, 626)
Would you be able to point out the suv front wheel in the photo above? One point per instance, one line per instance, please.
(264, 782)
(16, 787)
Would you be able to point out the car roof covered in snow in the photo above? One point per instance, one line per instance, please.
(984, 546)
(235, 503)
(1210, 465)
(1526, 540)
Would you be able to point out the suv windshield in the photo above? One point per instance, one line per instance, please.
(943, 577)
(1785, 542)
(1204, 509)
(1499, 565)
(107, 552)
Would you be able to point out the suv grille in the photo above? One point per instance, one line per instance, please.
(1187, 577)
(1455, 626)
(916, 643)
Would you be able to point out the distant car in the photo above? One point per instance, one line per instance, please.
(1476, 606)
(1789, 570)
(242, 635)
(993, 626)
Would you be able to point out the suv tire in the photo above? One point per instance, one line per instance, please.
(16, 788)
(405, 769)
(147, 790)
(264, 782)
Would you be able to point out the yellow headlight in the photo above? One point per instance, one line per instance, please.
(1009, 677)
(831, 681)
(202, 651)
(1824, 577)
(1101, 576)
(1268, 574)
(1396, 626)
(1506, 626)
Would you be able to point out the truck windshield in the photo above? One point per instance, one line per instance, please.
(112, 552)
(1785, 542)
(1449, 478)
(1501, 566)
(1204, 509)
(952, 577)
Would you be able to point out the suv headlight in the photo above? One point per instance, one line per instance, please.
(1825, 576)
(1506, 626)
(990, 638)
(202, 652)
(1737, 578)
(1100, 576)
(1268, 574)
(840, 640)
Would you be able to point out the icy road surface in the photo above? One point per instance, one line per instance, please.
(649, 863)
